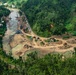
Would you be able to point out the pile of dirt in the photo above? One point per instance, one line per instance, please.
(65, 46)
(72, 41)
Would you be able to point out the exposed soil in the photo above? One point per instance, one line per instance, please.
(22, 42)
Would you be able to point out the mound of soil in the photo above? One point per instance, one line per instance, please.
(73, 41)
(65, 46)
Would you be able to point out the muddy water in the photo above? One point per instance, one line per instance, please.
(11, 30)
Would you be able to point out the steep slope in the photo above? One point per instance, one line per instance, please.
(49, 17)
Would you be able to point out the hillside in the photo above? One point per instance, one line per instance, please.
(51, 17)
(38, 55)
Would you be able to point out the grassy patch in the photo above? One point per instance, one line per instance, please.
(42, 43)
(66, 37)
(30, 37)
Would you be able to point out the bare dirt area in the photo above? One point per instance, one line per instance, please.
(24, 40)
(45, 45)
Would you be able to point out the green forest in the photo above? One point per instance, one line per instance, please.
(51, 64)
(51, 17)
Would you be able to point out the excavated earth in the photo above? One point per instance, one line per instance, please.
(20, 41)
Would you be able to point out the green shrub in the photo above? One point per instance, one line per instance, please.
(66, 37)
(74, 33)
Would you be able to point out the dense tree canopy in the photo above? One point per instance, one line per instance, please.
(48, 17)
(3, 12)
(51, 64)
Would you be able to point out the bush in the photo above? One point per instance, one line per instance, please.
(74, 33)
(66, 37)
